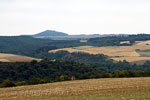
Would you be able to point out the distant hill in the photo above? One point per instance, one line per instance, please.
(50, 33)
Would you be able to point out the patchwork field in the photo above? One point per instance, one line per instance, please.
(15, 58)
(140, 51)
(92, 89)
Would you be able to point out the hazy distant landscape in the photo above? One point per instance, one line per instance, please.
(54, 35)
(45, 58)
(74, 50)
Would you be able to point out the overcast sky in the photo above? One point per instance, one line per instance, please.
(74, 16)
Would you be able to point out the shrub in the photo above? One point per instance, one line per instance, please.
(45, 80)
(84, 76)
(34, 81)
(38, 81)
(63, 78)
(20, 83)
(7, 83)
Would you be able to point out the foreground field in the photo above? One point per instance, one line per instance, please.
(140, 51)
(93, 89)
(15, 58)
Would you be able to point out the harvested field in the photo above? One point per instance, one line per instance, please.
(142, 43)
(92, 89)
(118, 53)
(110, 51)
(131, 59)
(125, 42)
(15, 58)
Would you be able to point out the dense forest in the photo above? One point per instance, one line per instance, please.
(45, 71)
(25, 71)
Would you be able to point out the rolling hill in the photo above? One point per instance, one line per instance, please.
(92, 89)
(140, 51)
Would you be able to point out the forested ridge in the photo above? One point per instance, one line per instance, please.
(37, 47)
(115, 40)
(29, 46)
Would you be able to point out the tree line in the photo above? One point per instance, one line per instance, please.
(116, 74)
(47, 70)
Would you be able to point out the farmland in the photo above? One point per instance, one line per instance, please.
(92, 89)
(15, 58)
(140, 51)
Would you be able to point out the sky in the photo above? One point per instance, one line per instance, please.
(74, 16)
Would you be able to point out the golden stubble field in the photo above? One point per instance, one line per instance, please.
(96, 89)
(15, 58)
(118, 53)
